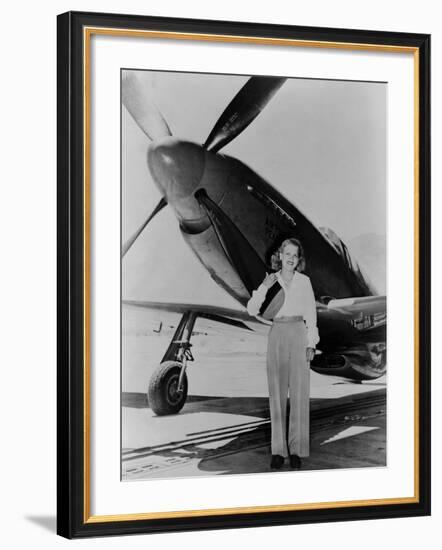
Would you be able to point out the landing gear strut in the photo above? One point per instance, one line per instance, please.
(167, 391)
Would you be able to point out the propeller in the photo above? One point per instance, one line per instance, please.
(137, 233)
(137, 97)
(242, 110)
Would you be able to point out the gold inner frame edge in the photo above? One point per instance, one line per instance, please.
(87, 33)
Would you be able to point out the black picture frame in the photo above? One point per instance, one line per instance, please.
(74, 519)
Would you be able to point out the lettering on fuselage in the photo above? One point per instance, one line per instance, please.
(363, 322)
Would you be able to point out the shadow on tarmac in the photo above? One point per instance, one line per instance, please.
(137, 400)
(205, 403)
(348, 432)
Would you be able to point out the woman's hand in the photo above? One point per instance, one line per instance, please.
(310, 354)
(270, 280)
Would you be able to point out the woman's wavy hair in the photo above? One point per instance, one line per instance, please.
(276, 261)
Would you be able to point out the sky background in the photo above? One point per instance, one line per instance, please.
(321, 143)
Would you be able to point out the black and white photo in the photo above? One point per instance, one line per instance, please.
(236, 186)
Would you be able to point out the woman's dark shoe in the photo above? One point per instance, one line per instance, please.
(276, 462)
(295, 462)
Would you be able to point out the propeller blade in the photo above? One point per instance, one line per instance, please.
(243, 109)
(137, 233)
(243, 257)
(137, 97)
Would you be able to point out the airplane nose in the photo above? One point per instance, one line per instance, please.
(176, 167)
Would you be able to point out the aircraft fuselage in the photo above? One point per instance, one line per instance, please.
(260, 218)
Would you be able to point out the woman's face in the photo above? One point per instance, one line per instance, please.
(289, 257)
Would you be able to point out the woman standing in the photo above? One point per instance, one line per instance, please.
(287, 298)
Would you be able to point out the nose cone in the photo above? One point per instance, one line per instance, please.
(176, 167)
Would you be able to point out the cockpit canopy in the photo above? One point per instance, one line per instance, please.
(340, 247)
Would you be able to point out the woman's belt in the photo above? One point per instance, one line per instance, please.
(291, 319)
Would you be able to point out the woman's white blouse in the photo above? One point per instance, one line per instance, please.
(298, 300)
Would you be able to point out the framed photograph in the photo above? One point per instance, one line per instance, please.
(243, 274)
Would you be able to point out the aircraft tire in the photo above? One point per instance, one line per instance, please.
(162, 394)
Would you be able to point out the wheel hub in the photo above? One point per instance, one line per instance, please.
(173, 393)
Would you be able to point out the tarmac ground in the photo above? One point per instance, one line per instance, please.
(224, 426)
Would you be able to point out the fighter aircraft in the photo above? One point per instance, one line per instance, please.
(234, 221)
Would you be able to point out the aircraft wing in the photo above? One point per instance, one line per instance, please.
(339, 318)
(228, 316)
(368, 304)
